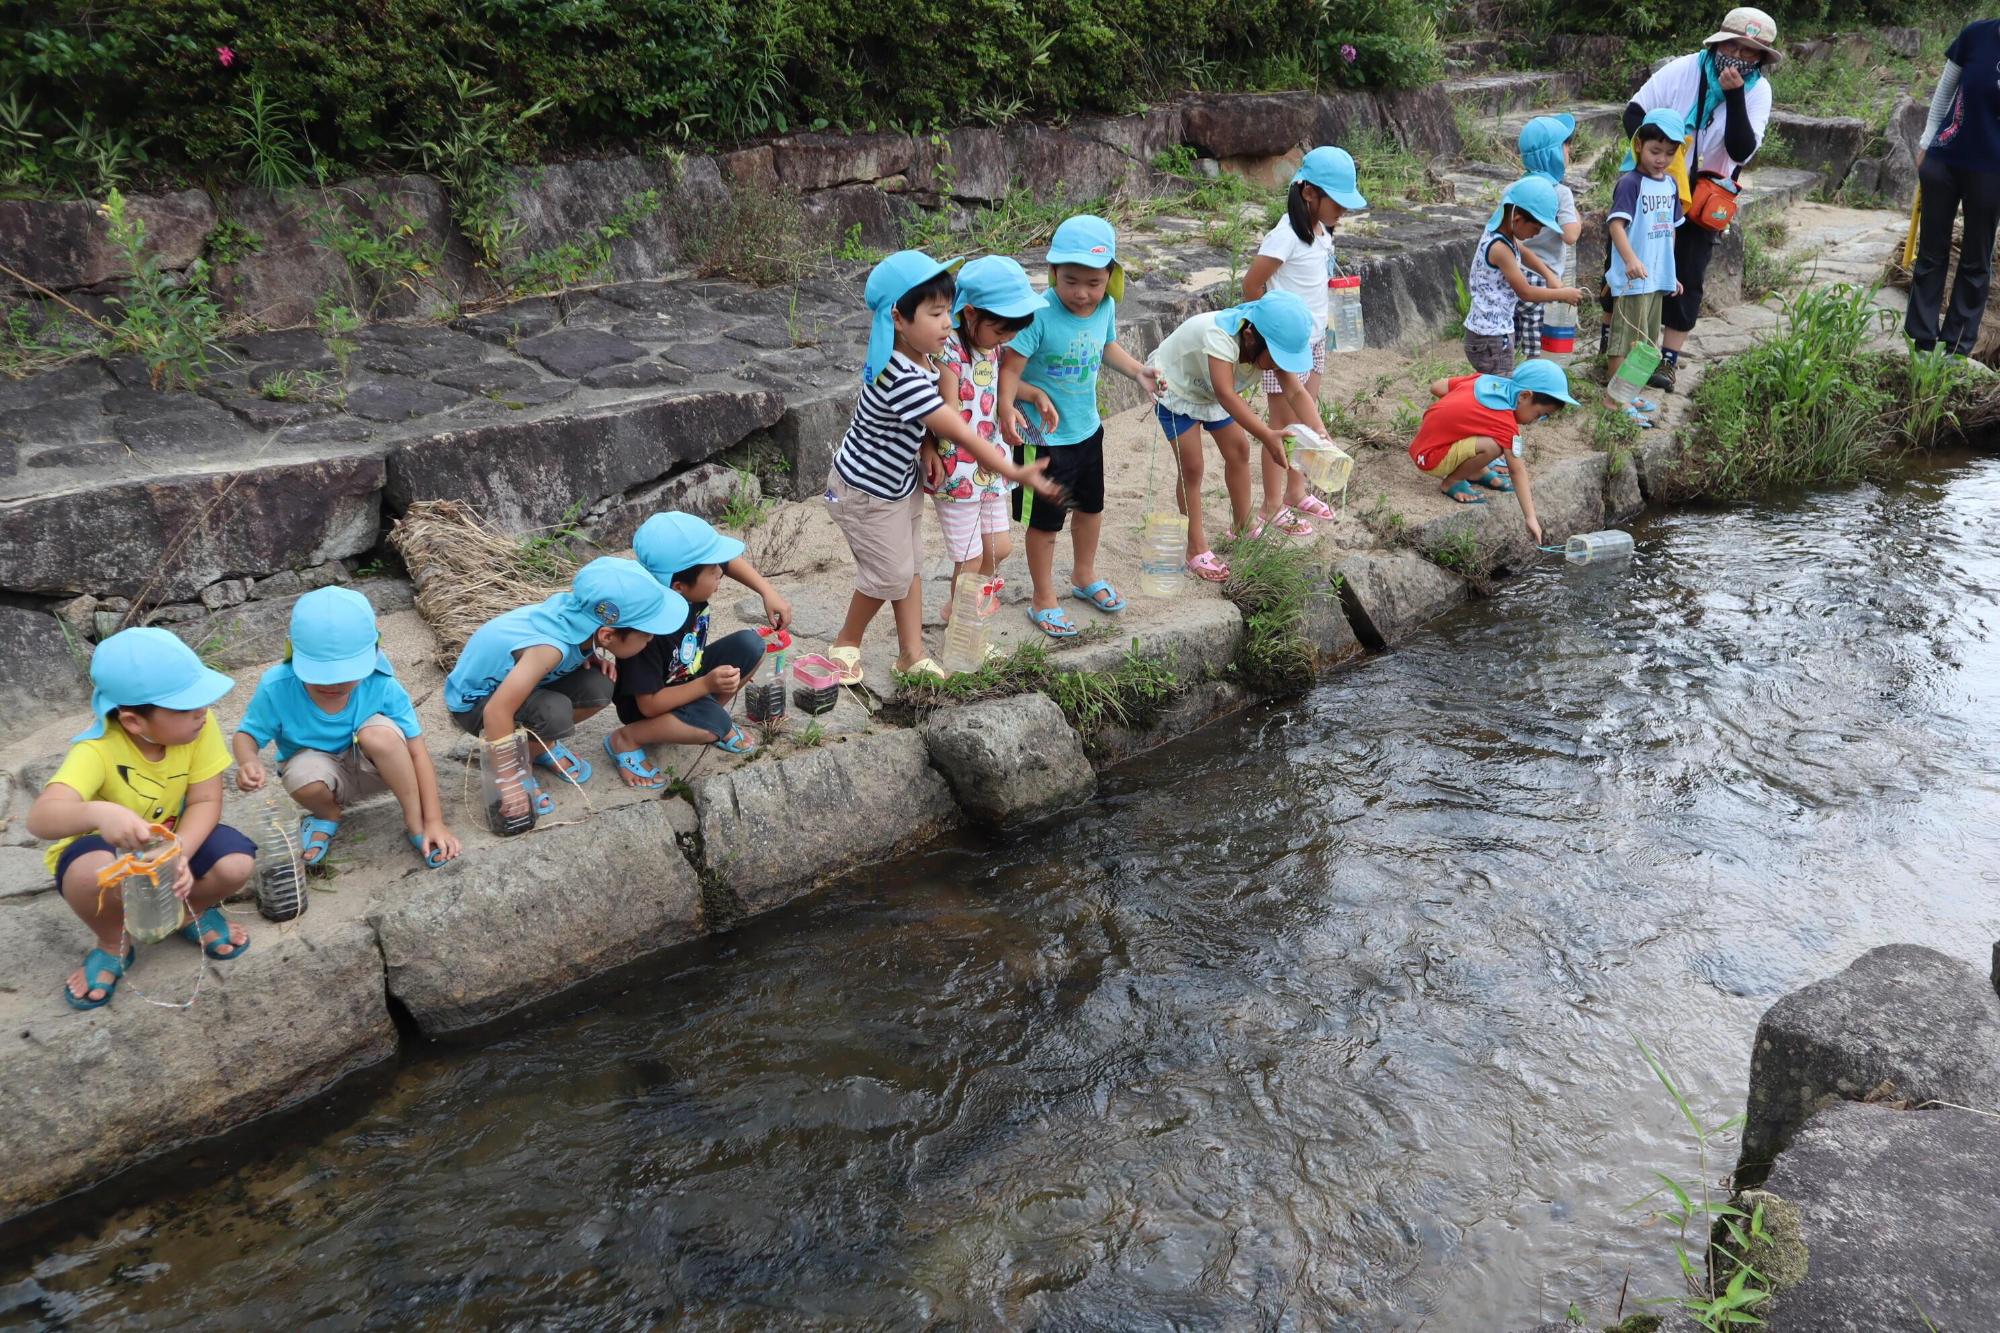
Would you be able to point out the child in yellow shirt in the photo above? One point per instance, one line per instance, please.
(153, 754)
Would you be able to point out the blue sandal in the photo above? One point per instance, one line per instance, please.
(1462, 492)
(1100, 595)
(101, 971)
(433, 858)
(565, 763)
(545, 804)
(1053, 623)
(736, 742)
(1494, 481)
(635, 763)
(311, 827)
(214, 920)
(1638, 418)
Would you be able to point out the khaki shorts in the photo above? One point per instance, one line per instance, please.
(886, 537)
(1635, 320)
(348, 775)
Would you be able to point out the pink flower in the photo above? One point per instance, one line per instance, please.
(1347, 53)
(225, 55)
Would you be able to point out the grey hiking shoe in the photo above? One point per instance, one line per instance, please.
(1662, 378)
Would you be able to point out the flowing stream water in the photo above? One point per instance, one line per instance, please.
(1321, 1019)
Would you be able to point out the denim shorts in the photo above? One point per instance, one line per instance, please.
(223, 841)
(1176, 425)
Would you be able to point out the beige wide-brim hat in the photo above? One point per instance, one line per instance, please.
(1755, 27)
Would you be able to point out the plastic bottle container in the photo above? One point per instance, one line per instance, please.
(281, 875)
(1325, 464)
(503, 778)
(816, 684)
(1595, 548)
(764, 699)
(145, 880)
(965, 637)
(1345, 331)
(1637, 368)
(1558, 320)
(1162, 554)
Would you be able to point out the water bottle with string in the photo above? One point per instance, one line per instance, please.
(506, 788)
(145, 879)
(975, 601)
(281, 872)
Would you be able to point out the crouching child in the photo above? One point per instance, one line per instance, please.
(153, 754)
(344, 729)
(1475, 425)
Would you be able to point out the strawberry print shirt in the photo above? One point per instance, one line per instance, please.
(979, 403)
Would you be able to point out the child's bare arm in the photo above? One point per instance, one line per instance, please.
(1222, 379)
(947, 424)
(777, 609)
(1012, 363)
(61, 812)
(535, 661)
(1541, 266)
(1524, 489)
(1293, 390)
(1503, 259)
(243, 747)
(201, 814)
(436, 831)
(1258, 280)
(1439, 388)
(1132, 368)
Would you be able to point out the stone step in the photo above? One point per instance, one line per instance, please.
(1515, 90)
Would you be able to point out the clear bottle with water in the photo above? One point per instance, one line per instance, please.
(281, 879)
(1596, 548)
(506, 789)
(145, 879)
(965, 637)
(1344, 326)
(1162, 554)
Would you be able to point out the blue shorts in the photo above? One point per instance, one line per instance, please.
(1176, 425)
(224, 841)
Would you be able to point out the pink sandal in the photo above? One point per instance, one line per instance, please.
(1284, 521)
(1315, 506)
(1207, 566)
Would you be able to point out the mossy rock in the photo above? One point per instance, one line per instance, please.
(1781, 1256)
(1637, 1323)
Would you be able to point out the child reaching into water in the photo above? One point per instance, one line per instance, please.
(1498, 283)
(872, 488)
(1544, 145)
(344, 728)
(153, 754)
(1297, 257)
(549, 666)
(1075, 334)
(1477, 421)
(1645, 210)
(1206, 366)
(993, 302)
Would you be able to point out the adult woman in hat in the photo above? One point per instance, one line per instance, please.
(1722, 93)
(1958, 165)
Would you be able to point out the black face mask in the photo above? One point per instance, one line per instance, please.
(1741, 66)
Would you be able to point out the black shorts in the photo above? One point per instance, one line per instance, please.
(1693, 248)
(1077, 468)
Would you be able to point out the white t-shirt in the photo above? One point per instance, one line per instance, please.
(1303, 267)
(1182, 360)
(1675, 88)
(1547, 244)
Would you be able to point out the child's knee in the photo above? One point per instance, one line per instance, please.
(231, 871)
(379, 737)
(79, 882)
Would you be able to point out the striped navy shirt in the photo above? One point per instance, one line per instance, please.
(879, 452)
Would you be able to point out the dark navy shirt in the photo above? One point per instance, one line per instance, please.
(1970, 136)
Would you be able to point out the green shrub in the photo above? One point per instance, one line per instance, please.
(351, 83)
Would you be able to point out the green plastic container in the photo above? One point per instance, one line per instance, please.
(1640, 363)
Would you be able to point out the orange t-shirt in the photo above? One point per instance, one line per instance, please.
(1459, 415)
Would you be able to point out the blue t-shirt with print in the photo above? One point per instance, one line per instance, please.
(281, 711)
(1650, 209)
(1064, 353)
(1970, 136)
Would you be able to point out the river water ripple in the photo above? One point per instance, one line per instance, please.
(1322, 1019)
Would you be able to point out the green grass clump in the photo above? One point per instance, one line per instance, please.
(1134, 693)
(1272, 581)
(1813, 404)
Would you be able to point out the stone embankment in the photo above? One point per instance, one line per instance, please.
(623, 400)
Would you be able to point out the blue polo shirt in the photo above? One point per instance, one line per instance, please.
(1064, 354)
(281, 711)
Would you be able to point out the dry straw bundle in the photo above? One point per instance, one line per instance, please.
(468, 572)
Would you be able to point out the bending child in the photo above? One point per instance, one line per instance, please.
(1206, 366)
(153, 754)
(1297, 257)
(344, 728)
(677, 689)
(1497, 282)
(994, 301)
(549, 666)
(1075, 333)
(1477, 421)
(1645, 210)
(872, 488)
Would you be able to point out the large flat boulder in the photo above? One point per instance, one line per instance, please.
(1388, 594)
(1010, 760)
(1826, 144)
(525, 474)
(498, 928)
(86, 1095)
(40, 669)
(774, 830)
(1249, 124)
(821, 161)
(176, 534)
(66, 243)
(1912, 1017)
(1897, 1215)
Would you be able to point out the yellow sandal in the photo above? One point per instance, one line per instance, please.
(849, 662)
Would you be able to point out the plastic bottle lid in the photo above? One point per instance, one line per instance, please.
(1343, 282)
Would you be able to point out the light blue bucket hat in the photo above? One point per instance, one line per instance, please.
(1331, 171)
(334, 637)
(142, 667)
(1536, 375)
(1542, 141)
(1533, 195)
(1285, 323)
(668, 543)
(1089, 240)
(999, 286)
(887, 283)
